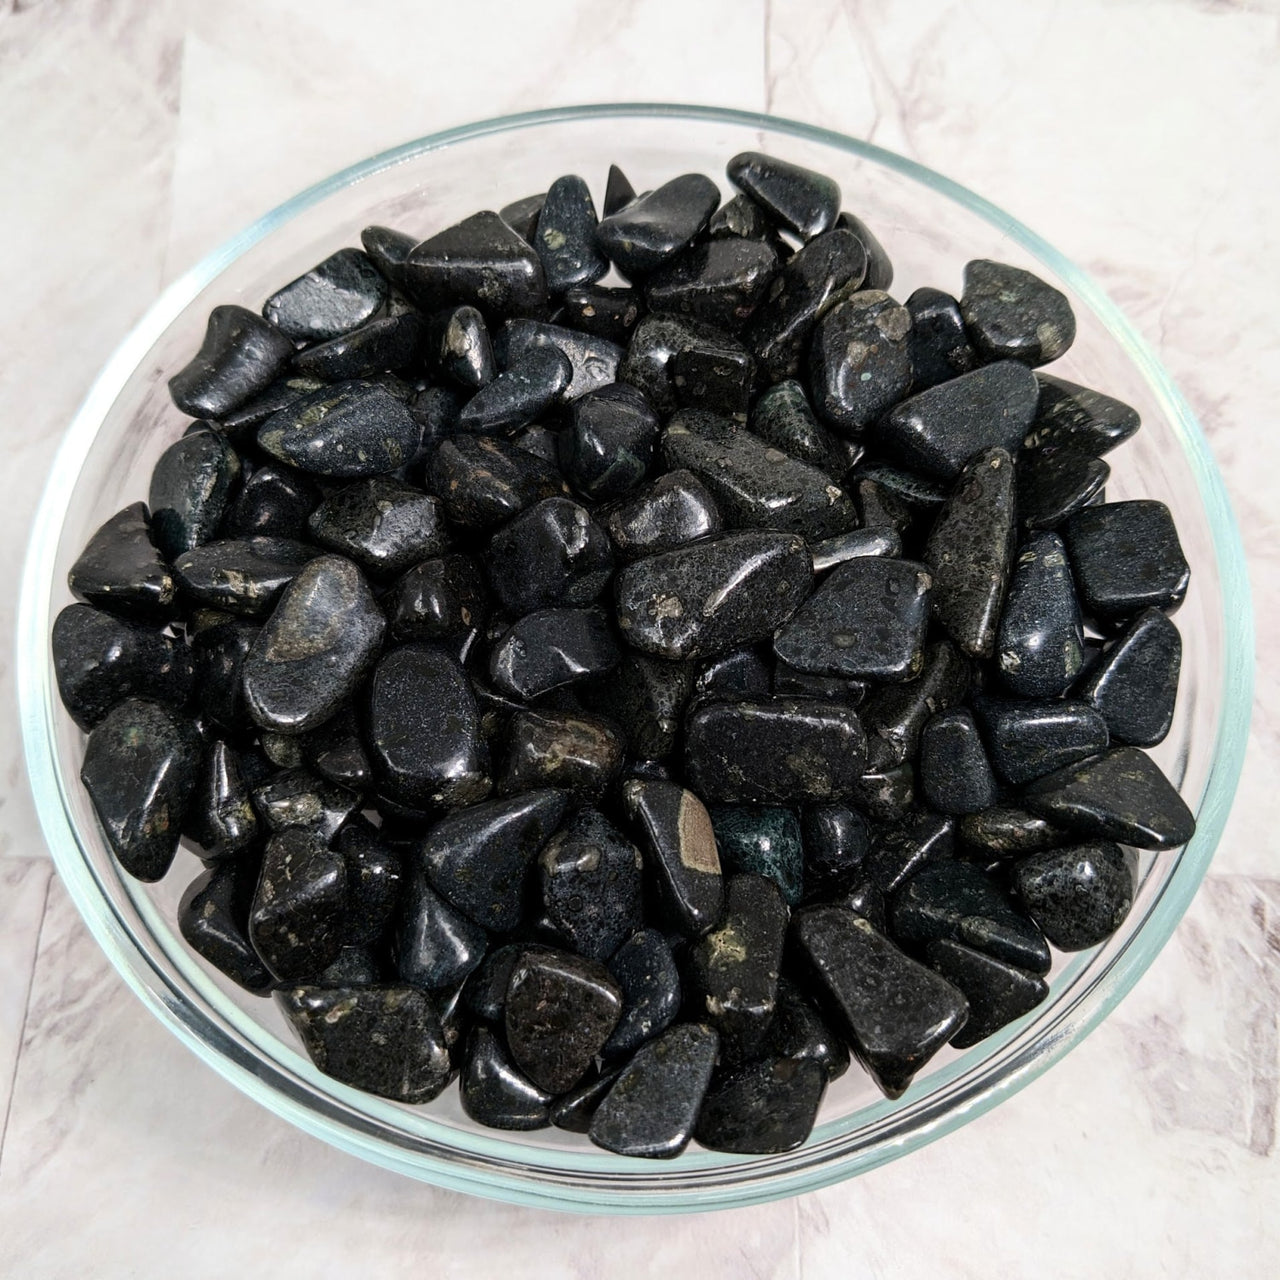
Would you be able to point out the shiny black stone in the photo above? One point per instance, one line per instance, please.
(646, 698)
(645, 971)
(742, 217)
(762, 841)
(273, 502)
(573, 1110)
(761, 1108)
(955, 774)
(519, 393)
(575, 752)
(799, 1032)
(797, 199)
(541, 441)
(494, 1093)
(190, 489)
(218, 655)
(997, 992)
(618, 191)
(836, 839)
(388, 249)
(382, 524)
(1079, 895)
(565, 236)
(354, 967)
(1056, 483)
(458, 348)
(608, 446)
(485, 993)
(788, 682)
(594, 360)
(885, 792)
(522, 215)
(221, 818)
(483, 481)
(879, 268)
(860, 361)
(241, 423)
(864, 898)
(602, 311)
(1134, 685)
(721, 282)
(940, 348)
(783, 418)
(375, 877)
(718, 378)
(393, 341)
(213, 918)
(441, 599)
(245, 576)
(672, 510)
(1075, 419)
(654, 345)
(436, 946)
(550, 648)
(241, 355)
(121, 571)
(895, 714)
(300, 904)
(281, 749)
(857, 544)
(295, 797)
(437, 409)
(1013, 315)
(1030, 739)
(898, 851)
(652, 229)
(334, 297)
(890, 498)
(1040, 640)
(1004, 831)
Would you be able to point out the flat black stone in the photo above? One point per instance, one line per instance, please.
(388, 249)
(1079, 895)
(519, 394)
(140, 767)
(796, 199)
(436, 947)
(550, 648)
(494, 1093)
(1134, 685)
(385, 526)
(522, 215)
(572, 1111)
(572, 751)
(955, 774)
(679, 845)
(1119, 795)
(273, 502)
(485, 993)
(245, 576)
(590, 877)
(618, 191)
(221, 818)
(894, 1013)
(100, 660)
(345, 431)
(121, 571)
(879, 268)
(857, 544)
(478, 262)
(741, 216)
(484, 482)
(190, 490)
(295, 797)
(594, 360)
(762, 1108)
(653, 228)
(334, 297)
(298, 910)
(894, 715)
(836, 840)
(970, 550)
(899, 850)
(714, 595)
(997, 992)
(1013, 315)
(1056, 483)
(860, 361)
(885, 792)
(1040, 640)
(782, 417)
(1004, 831)
(1126, 557)
(440, 599)
(241, 355)
(718, 378)
(674, 509)
(375, 877)
(646, 973)
(315, 649)
(721, 282)
(1075, 419)
(478, 858)
(866, 620)
(798, 1031)
(654, 346)
(218, 655)
(762, 841)
(940, 347)
(552, 553)
(1030, 739)
(602, 311)
(213, 918)
(780, 751)
(392, 341)
(898, 497)
(566, 236)
(459, 348)
(654, 1103)
(936, 432)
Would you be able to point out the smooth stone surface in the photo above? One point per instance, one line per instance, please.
(937, 431)
(375, 878)
(388, 249)
(602, 311)
(795, 198)
(720, 282)
(1004, 831)
(393, 341)
(1080, 895)
(762, 1108)
(653, 1105)
(1134, 685)
(1030, 739)
(762, 842)
(835, 840)
(879, 268)
(645, 697)
(618, 191)
(551, 648)
(860, 361)
(1075, 419)
(441, 599)
(782, 417)
(1012, 314)
(484, 482)
(830, 553)
(781, 751)
(741, 216)
(901, 849)
(674, 509)
(218, 655)
(565, 236)
(241, 423)
(572, 1111)
(273, 502)
(334, 297)
(221, 818)
(864, 898)
(578, 753)
(121, 571)
(903, 495)
(140, 768)
(646, 973)
(552, 553)
(519, 394)
(213, 918)
(494, 1092)
(799, 1032)
(1040, 640)
(522, 215)
(315, 649)
(485, 993)
(744, 673)
(652, 229)
(885, 793)
(969, 552)
(940, 347)
(295, 797)
(478, 857)
(459, 348)
(191, 486)
(1056, 483)
(658, 339)
(352, 429)
(894, 1013)
(245, 576)
(354, 967)
(790, 683)
(997, 992)
(383, 525)
(1126, 557)
(1119, 795)
(594, 360)
(715, 377)
(894, 715)
(241, 355)
(955, 774)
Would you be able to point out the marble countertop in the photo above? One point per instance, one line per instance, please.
(1137, 135)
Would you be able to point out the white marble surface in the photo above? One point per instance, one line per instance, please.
(1137, 135)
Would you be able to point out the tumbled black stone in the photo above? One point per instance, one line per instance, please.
(781, 751)
(241, 423)
(99, 660)
(221, 817)
(375, 876)
(653, 228)
(522, 215)
(1079, 895)
(717, 378)
(680, 851)
(241, 355)
(459, 348)
(218, 655)
(121, 571)
(315, 649)
(1055, 483)
(550, 648)
(573, 1111)
(1040, 640)
(244, 576)
(295, 797)
(334, 297)
(1126, 557)
(478, 262)
(864, 898)
(1075, 419)
(879, 268)
(382, 524)
(940, 347)
(885, 792)
(895, 714)
(762, 1108)
(1134, 685)
(1013, 315)
(1119, 795)
(740, 216)
(273, 502)
(388, 249)
(797, 199)
(618, 191)
(1004, 831)
(594, 360)
(955, 774)
(483, 481)
(436, 946)
(354, 967)
(783, 418)
(140, 767)
(440, 599)
(714, 595)
(762, 841)
(997, 992)
(646, 973)
(213, 918)
(540, 440)
(494, 1093)
(654, 1103)
(478, 857)
(799, 1032)
(553, 553)
(191, 486)
(485, 993)
(346, 431)
(830, 553)
(519, 393)
(281, 749)
(899, 850)
(835, 841)
(860, 360)
(392, 341)
(602, 311)
(894, 1013)
(720, 282)
(645, 697)
(676, 508)
(1030, 739)
(575, 752)
(565, 236)
(743, 673)
(658, 339)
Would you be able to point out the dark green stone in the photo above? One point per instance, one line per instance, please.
(764, 842)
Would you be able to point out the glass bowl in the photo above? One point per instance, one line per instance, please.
(930, 227)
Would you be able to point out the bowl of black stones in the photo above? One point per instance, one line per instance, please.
(633, 658)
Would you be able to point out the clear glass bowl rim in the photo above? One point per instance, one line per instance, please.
(281, 1094)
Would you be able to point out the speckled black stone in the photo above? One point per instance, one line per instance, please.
(1013, 315)
(594, 360)
(743, 673)
(879, 268)
(885, 793)
(522, 215)
(484, 481)
(565, 236)
(782, 417)
(830, 553)
(221, 817)
(191, 486)
(895, 714)
(607, 448)
(382, 524)
(796, 199)
(721, 282)
(762, 841)
(955, 774)
(213, 918)
(940, 347)
(388, 249)
(1135, 683)
(296, 797)
(652, 229)
(761, 1108)
(274, 502)
(1075, 419)
(459, 348)
(441, 599)
(334, 297)
(835, 840)
(354, 967)
(1079, 895)
(674, 509)
(603, 311)
(494, 1092)
(1032, 738)
(436, 946)
(244, 576)
(1004, 831)
(799, 1032)
(485, 993)
(645, 697)
(740, 216)
(997, 992)
(790, 683)
(392, 341)
(519, 394)
(575, 752)
(864, 898)
(241, 355)
(1056, 483)
(646, 972)
(550, 648)
(375, 877)
(218, 655)
(121, 571)
(860, 361)
(657, 340)
(716, 377)
(899, 850)
(900, 495)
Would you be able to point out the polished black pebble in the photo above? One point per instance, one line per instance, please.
(879, 268)
(573, 751)
(1079, 895)
(680, 851)
(743, 673)
(281, 749)
(864, 898)
(781, 751)
(478, 262)
(645, 697)
(459, 348)
(900, 495)
(1013, 315)
(478, 857)
(375, 879)
(494, 1092)
(485, 993)
(658, 340)
(296, 797)
(997, 992)
(572, 1111)
(221, 818)
(761, 1108)
(590, 877)
(894, 715)
(566, 236)
(796, 199)
(213, 918)
(388, 249)
(522, 215)
(274, 501)
(860, 361)
(782, 417)
(867, 619)
(594, 360)
(1119, 795)
(740, 216)
(436, 947)
(717, 377)
(900, 849)
(955, 774)
(540, 440)
(437, 409)
(762, 841)
(653, 228)
(121, 571)
(244, 576)
(484, 482)
(894, 1013)
(1126, 557)
(191, 487)
(835, 843)
(937, 431)
(970, 550)
(393, 341)
(940, 347)
(885, 792)
(241, 355)
(602, 311)
(1040, 640)
(1075, 419)
(1134, 685)
(354, 967)
(654, 1103)
(550, 648)
(441, 599)
(618, 191)
(1028, 739)
(788, 682)
(607, 448)
(552, 553)
(385, 526)
(218, 656)
(239, 424)
(674, 509)
(315, 649)
(646, 973)
(334, 297)
(99, 660)
(519, 393)
(1056, 483)
(1004, 831)
(714, 595)
(345, 431)
(721, 282)
(140, 768)
(299, 906)
(830, 553)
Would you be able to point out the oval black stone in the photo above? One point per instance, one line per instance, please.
(607, 448)
(121, 571)
(1012, 314)
(574, 752)
(334, 297)
(997, 992)
(440, 599)
(1030, 739)
(459, 348)
(940, 348)
(241, 355)
(720, 282)
(646, 972)
(273, 502)
(955, 774)
(1075, 419)
(1079, 895)
(797, 199)
(483, 481)
(565, 236)
(494, 1093)
(762, 1108)
(222, 818)
(653, 228)
(191, 486)
(519, 394)
(383, 525)
(675, 509)
(550, 648)
(436, 946)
